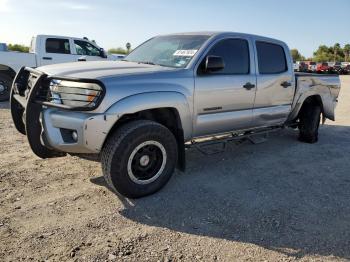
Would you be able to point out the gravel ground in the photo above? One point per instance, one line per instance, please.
(281, 200)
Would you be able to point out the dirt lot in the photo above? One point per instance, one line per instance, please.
(277, 201)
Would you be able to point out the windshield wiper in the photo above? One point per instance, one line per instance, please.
(140, 62)
(146, 62)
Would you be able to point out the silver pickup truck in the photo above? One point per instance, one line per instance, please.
(172, 92)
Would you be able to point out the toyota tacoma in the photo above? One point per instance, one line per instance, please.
(172, 92)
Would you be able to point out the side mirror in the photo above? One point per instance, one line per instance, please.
(213, 63)
(103, 53)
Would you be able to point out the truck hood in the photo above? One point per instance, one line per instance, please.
(100, 69)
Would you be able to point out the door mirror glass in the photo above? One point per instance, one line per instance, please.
(213, 64)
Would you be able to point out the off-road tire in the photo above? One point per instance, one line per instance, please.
(7, 82)
(309, 122)
(119, 147)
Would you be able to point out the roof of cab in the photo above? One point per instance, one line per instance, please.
(226, 33)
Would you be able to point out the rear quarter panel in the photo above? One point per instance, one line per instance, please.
(327, 87)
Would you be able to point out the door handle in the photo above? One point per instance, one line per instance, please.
(249, 86)
(47, 58)
(286, 84)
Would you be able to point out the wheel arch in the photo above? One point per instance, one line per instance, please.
(170, 109)
(7, 70)
(314, 100)
(327, 106)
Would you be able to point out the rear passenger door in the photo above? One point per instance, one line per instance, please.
(55, 51)
(275, 84)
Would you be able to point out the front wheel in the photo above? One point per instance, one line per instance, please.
(309, 122)
(139, 158)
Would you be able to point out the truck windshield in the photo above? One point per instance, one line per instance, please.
(170, 51)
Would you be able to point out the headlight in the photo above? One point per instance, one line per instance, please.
(74, 94)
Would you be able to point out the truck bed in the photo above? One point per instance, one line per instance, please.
(324, 86)
(12, 59)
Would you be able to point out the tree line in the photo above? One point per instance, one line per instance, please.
(18, 48)
(335, 53)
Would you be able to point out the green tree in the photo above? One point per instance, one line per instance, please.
(128, 47)
(323, 54)
(118, 50)
(337, 52)
(346, 51)
(18, 48)
(296, 55)
(332, 53)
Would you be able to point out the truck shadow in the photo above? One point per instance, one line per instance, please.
(282, 195)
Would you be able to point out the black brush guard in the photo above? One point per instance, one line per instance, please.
(26, 110)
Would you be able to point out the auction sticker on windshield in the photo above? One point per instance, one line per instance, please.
(185, 52)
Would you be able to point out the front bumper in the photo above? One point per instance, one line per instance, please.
(49, 127)
(91, 129)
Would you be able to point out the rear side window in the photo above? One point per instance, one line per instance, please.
(235, 53)
(271, 58)
(58, 46)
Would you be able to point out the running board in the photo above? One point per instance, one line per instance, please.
(206, 145)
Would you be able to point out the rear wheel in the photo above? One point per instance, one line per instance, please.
(309, 122)
(5, 87)
(139, 158)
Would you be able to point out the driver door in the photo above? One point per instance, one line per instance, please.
(224, 99)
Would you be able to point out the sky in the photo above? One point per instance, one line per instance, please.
(302, 24)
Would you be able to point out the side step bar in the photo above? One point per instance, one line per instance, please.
(223, 139)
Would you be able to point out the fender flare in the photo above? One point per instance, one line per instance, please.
(8, 70)
(154, 100)
(323, 94)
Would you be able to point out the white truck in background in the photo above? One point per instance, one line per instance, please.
(45, 50)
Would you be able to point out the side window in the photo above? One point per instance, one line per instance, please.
(85, 48)
(58, 46)
(235, 53)
(271, 58)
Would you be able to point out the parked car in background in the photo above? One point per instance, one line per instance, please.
(46, 50)
(338, 68)
(331, 67)
(172, 92)
(3, 47)
(346, 70)
(296, 66)
(311, 67)
(303, 67)
(322, 68)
